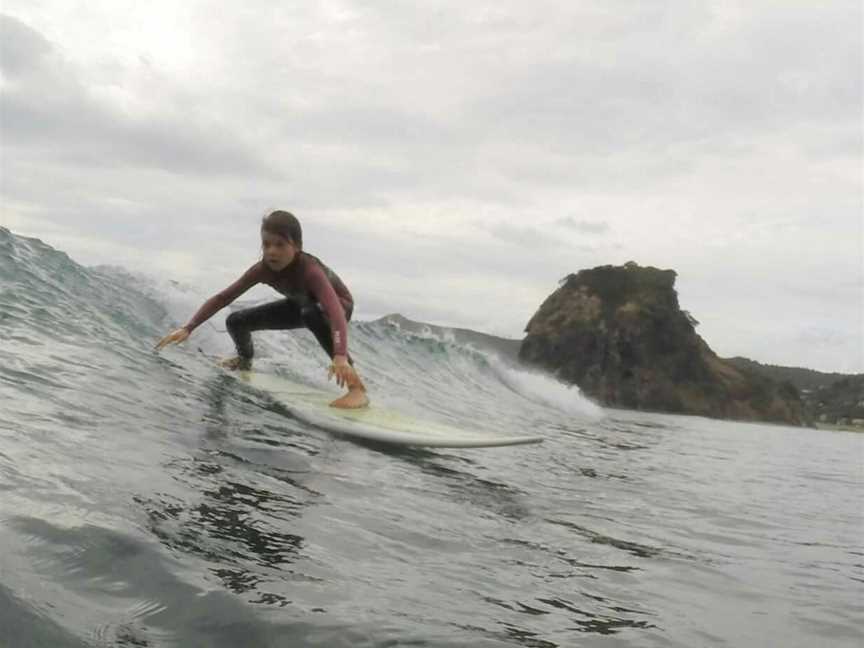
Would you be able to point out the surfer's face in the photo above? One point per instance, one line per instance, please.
(279, 251)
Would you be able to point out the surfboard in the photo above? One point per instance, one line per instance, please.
(371, 423)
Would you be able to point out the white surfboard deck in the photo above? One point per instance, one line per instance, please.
(371, 423)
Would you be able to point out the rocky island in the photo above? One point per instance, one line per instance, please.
(619, 333)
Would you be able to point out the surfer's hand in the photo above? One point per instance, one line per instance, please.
(174, 337)
(344, 372)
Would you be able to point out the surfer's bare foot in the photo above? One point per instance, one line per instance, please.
(235, 363)
(354, 399)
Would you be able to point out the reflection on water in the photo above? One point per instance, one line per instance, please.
(22, 625)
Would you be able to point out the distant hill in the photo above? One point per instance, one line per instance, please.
(506, 348)
(828, 397)
(803, 379)
(841, 402)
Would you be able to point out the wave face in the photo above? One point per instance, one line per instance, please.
(150, 500)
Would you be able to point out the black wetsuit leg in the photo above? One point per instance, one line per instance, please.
(280, 315)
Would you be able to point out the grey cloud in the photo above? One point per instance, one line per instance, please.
(523, 235)
(73, 129)
(521, 252)
(680, 83)
(50, 115)
(583, 226)
(21, 47)
(826, 337)
(395, 150)
(675, 88)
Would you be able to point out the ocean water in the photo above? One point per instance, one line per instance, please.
(150, 500)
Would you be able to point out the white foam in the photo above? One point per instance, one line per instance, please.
(546, 390)
(535, 386)
(180, 302)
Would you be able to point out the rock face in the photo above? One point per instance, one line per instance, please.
(619, 333)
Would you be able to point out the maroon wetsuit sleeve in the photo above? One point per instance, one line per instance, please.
(325, 295)
(220, 300)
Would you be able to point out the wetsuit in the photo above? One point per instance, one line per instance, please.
(315, 298)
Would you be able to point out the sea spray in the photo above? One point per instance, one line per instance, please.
(533, 385)
(546, 390)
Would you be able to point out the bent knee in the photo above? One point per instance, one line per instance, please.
(312, 314)
(234, 320)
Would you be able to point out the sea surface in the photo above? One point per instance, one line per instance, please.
(152, 501)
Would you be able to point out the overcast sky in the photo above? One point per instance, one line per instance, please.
(452, 161)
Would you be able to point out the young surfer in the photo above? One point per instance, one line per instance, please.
(315, 298)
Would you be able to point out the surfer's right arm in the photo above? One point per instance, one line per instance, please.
(213, 305)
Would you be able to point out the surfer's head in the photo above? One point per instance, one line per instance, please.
(284, 224)
(281, 239)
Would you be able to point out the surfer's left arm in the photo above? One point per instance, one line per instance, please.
(324, 294)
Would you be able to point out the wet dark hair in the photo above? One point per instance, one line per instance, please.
(283, 224)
